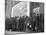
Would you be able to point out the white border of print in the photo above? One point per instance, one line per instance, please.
(2, 17)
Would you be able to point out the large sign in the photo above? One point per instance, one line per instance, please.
(36, 10)
(19, 9)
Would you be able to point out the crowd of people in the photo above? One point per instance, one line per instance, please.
(25, 23)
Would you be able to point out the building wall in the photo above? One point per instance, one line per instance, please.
(8, 7)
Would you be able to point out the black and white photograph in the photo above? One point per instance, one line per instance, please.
(22, 17)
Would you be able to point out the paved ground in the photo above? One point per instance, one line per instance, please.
(18, 33)
(13, 33)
